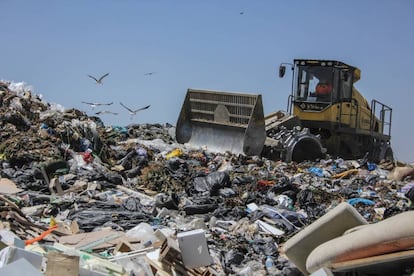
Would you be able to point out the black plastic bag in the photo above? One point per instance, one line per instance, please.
(211, 183)
(233, 257)
(132, 204)
(199, 209)
(265, 247)
(170, 201)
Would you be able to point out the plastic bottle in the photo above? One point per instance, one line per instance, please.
(269, 263)
(270, 266)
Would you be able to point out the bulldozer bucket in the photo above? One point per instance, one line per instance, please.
(222, 121)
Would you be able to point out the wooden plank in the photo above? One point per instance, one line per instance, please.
(157, 267)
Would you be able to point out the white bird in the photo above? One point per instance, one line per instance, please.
(134, 112)
(98, 81)
(149, 73)
(93, 105)
(106, 112)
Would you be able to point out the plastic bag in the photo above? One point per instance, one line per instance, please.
(211, 183)
(143, 232)
(234, 257)
(170, 201)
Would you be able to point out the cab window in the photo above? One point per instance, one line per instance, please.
(346, 85)
(315, 83)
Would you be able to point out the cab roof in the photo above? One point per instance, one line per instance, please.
(329, 62)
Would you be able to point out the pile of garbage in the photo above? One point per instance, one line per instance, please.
(115, 200)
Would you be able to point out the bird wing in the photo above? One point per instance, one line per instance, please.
(142, 108)
(130, 110)
(106, 112)
(92, 77)
(98, 103)
(101, 78)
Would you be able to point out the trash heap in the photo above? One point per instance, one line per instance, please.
(113, 200)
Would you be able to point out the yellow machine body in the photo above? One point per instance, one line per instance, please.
(326, 113)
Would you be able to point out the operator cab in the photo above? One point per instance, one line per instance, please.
(321, 81)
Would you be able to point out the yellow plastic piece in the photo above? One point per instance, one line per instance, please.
(174, 153)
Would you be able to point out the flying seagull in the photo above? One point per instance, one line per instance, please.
(149, 73)
(98, 81)
(106, 112)
(134, 112)
(93, 105)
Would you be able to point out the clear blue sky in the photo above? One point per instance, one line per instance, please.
(53, 45)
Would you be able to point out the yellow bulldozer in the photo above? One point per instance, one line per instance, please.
(326, 114)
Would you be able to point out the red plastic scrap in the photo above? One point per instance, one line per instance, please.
(41, 236)
(87, 156)
(265, 183)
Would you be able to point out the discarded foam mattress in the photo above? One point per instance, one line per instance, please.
(390, 235)
(331, 225)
